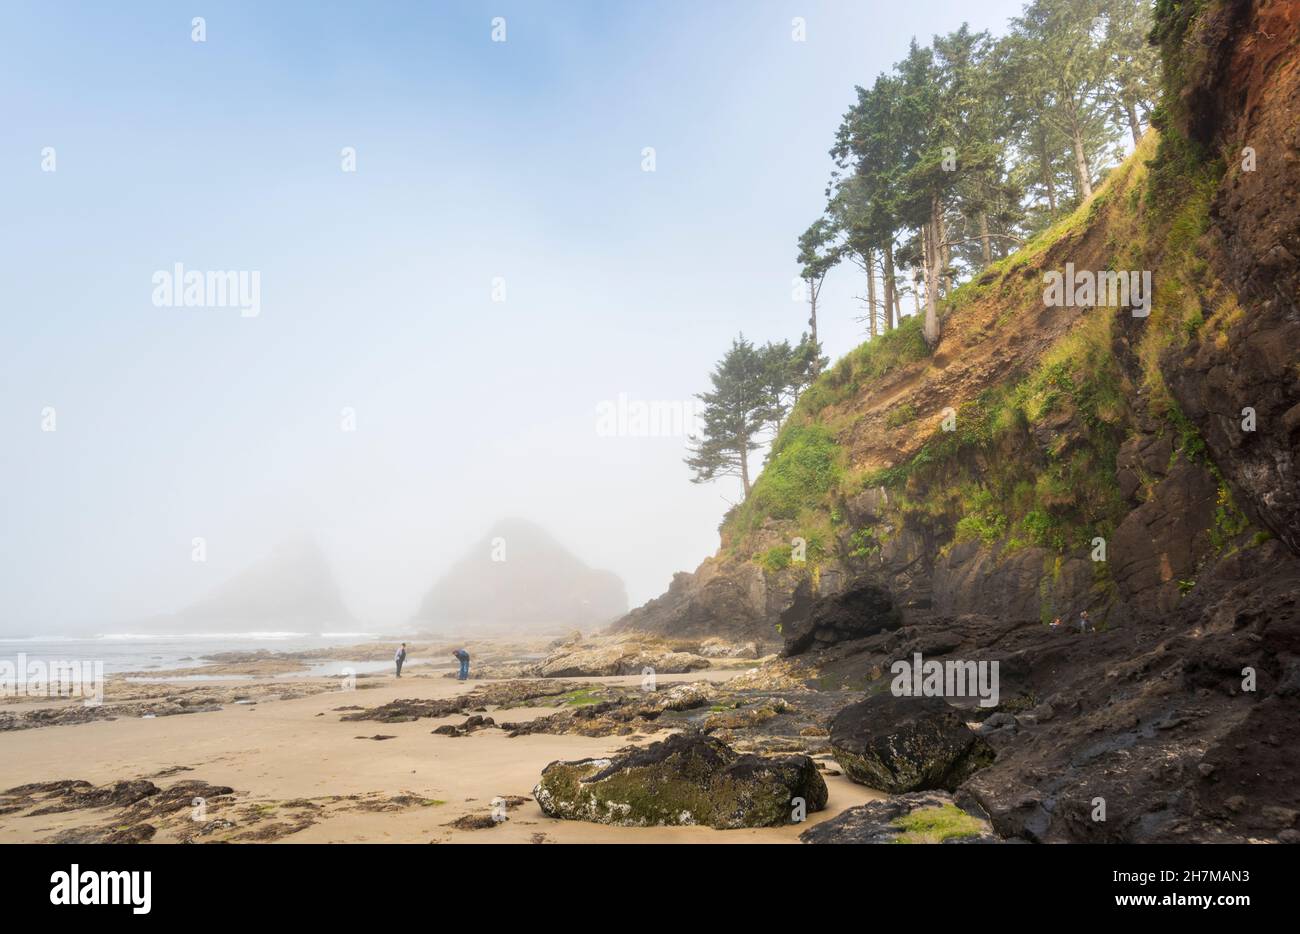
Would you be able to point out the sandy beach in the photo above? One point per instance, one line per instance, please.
(301, 774)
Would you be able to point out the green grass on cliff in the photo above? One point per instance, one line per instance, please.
(986, 478)
(806, 469)
(804, 466)
(857, 369)
(1032, 461)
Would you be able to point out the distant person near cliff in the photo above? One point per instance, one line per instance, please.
(463, 657)
(399, 658)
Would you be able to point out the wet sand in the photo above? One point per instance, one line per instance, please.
(276, 751)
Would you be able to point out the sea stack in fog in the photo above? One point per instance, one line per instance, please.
(519, 576)
(292, 587)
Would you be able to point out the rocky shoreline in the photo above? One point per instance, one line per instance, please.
(1080, 716)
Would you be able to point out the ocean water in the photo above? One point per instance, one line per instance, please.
(142, 652)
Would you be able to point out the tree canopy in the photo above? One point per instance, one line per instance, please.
(963, 150)
(753, 390)
(971, 144)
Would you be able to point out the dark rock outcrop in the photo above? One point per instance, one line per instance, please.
(687, 779)
(130, 811)
(855, 613)
(471, 725)
(902, 744)
(1246, 93)
(918, 817)
(1159, 546)
(720, 599)
(119, 794)
(502, 694)
(1185, 729)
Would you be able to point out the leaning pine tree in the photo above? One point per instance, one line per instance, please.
(734, 415)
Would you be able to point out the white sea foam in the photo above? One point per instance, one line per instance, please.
(142, 652)
(259, 636)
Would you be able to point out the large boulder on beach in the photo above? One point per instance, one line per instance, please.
(919, 817)
(689, 778)
(902, 744)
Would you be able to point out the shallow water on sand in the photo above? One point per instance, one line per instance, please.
(142, 652)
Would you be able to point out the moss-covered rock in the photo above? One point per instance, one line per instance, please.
(902, 744)
(689, 778)
(920, 817)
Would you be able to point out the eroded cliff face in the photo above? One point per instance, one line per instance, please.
(1244, 105)
(1079, 431)
(1161, 470)
(1185, 723)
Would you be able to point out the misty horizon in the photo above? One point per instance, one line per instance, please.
(188, 619)
(464, 276)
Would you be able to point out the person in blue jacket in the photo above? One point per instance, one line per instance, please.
(463, 657)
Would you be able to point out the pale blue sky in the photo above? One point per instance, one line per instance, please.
(475, 160)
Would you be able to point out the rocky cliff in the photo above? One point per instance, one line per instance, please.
(1047, 460)
(1093, 459)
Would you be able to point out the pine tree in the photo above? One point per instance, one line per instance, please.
(1133, 66)
(969, 146)
(789, 371)
(817, 256)
(1060, 59)
(735, 413)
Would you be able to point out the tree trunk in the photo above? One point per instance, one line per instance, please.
(985, 239)
(918, 275)
(933, 253)
(945, 257)
(1045, 160)
(812, 323)
(870, 258)
(891, 296)
(744, 465)
(1134, 125)
(1081, 168)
